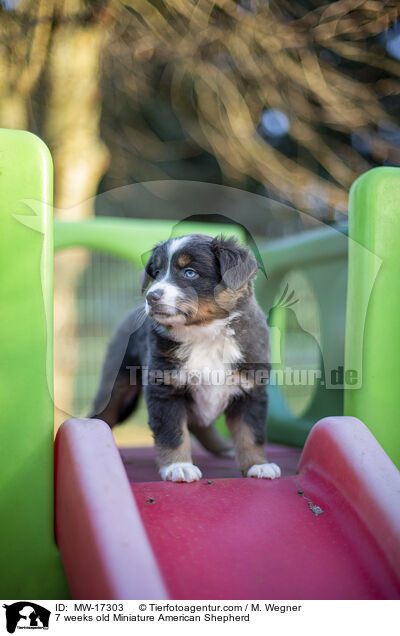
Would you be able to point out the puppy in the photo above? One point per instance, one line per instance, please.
(199, 348)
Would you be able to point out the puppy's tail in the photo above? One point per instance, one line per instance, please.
(122, 403)
(212, 440)
(121, 379)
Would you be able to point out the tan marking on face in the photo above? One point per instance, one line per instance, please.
(207, 310)
(167, 456)
(247, 452)
(221, 306)
(183, 260)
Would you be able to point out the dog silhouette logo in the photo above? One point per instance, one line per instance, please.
(26, 615)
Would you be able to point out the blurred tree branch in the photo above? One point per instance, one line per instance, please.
(222, 63)
(22, 54)
(219, 64)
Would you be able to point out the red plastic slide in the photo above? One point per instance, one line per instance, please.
(331, 531)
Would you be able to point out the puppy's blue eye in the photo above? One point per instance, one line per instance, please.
(189, 273)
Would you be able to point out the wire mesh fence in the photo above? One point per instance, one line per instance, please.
(107, 289)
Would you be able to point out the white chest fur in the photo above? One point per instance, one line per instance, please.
(208, 353)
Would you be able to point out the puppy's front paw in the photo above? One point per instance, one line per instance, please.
(264, 471)
(180, 471)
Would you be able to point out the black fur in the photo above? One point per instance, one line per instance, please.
(236, 264)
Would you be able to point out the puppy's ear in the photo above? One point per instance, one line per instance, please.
(147, 275)
(237, 265)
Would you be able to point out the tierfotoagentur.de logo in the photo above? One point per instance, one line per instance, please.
(26, 615)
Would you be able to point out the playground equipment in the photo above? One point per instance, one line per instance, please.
(330, 531)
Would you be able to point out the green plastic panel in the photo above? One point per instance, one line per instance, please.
(314, 265)
(372, 329)
(30, 564)
(130, 239)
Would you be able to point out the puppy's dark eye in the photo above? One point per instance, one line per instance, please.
(156, 273)
(189, 273)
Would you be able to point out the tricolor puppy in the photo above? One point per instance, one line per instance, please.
(199, 349)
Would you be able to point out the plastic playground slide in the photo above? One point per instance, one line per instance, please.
(330, 532)
(328, 529)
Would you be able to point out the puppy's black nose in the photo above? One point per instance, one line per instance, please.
(153, 297)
